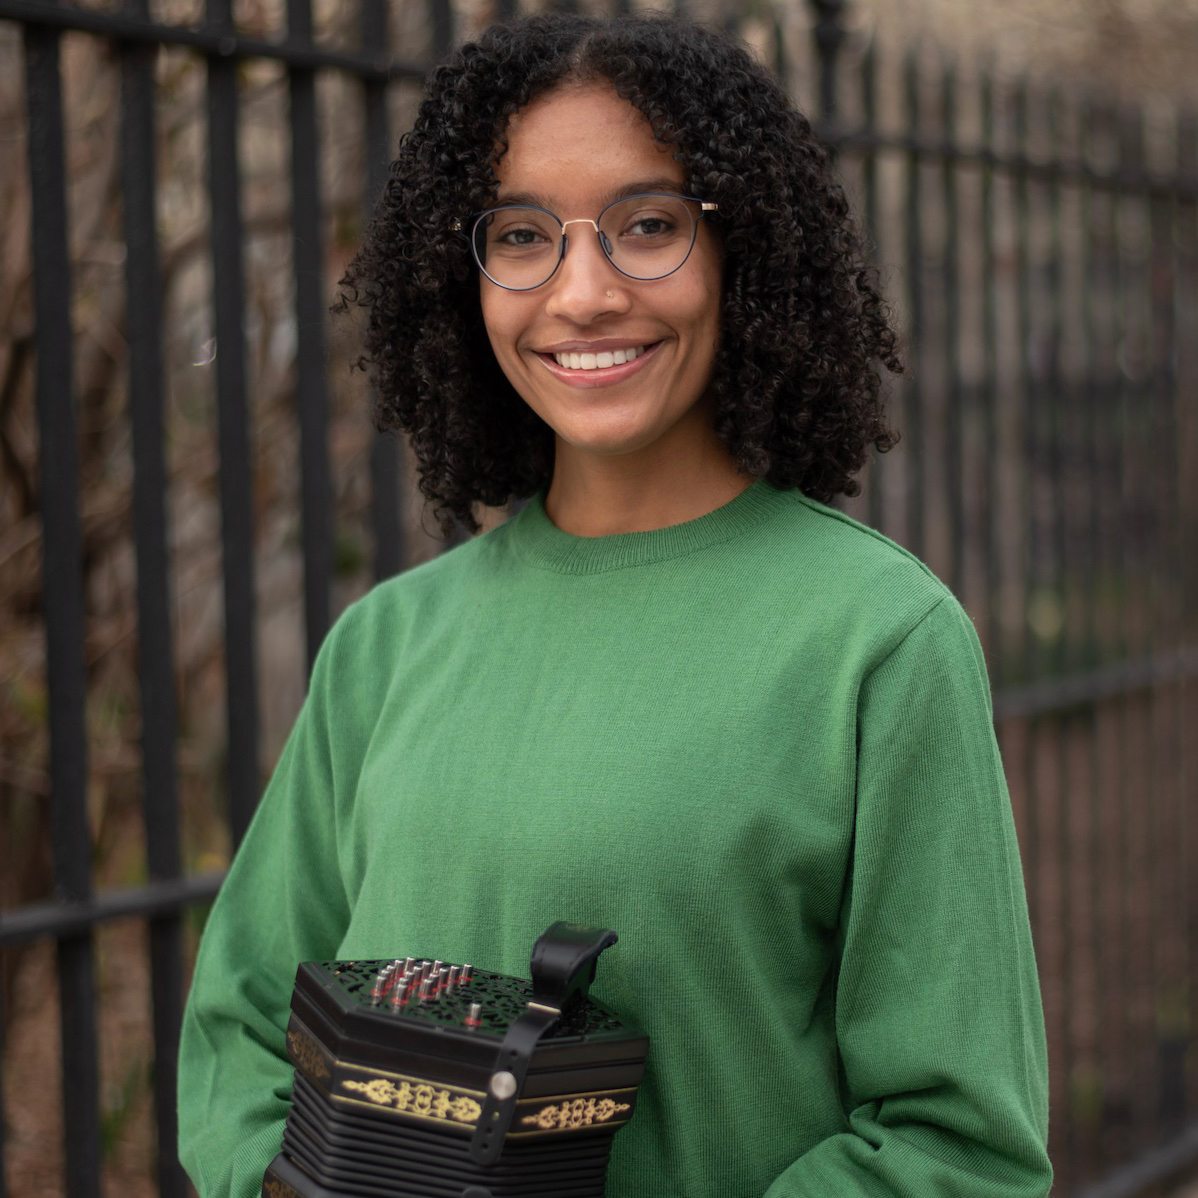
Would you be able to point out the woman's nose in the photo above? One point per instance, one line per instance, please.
(586, 284)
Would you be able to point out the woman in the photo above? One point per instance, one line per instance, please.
(677, 695)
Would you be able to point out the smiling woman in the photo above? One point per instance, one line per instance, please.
(793, 386)
(677, 695)
(648, 422)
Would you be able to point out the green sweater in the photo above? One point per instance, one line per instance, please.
(759, 746)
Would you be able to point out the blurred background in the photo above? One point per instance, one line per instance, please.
(191, 490)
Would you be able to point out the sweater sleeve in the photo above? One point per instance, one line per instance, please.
(939, 1027)
(283, 902)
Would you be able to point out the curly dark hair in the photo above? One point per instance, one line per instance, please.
(796, 389)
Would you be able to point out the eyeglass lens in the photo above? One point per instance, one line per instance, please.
(645, 237)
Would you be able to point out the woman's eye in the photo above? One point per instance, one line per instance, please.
(649, 226)
(520, 238)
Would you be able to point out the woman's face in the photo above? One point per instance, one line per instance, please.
(573, 151)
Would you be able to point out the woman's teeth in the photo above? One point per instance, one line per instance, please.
(616, 357)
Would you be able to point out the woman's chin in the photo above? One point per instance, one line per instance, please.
(603, 441)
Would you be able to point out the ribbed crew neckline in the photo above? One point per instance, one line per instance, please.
(541, 543)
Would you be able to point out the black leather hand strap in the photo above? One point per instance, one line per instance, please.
(564, 961)
(511, 1068)
(563, 967)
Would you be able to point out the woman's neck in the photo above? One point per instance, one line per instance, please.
(595, 496)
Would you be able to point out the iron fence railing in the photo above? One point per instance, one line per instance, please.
(1044, 259)
(1045, 247)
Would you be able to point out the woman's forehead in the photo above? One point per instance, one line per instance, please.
(582, 140)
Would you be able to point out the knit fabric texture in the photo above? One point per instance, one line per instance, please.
(759, 746)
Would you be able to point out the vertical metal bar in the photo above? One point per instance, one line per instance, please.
(236, 495)
(1029, 388)
(989, 395)
(441, 16)
(1120, 1066)
(1026, 408)
(159, 719)
(1129, 157)
(778, 59)
(869, 168)
(1163, 632)
(830, 34)
(385, 451)
(1092, 283)
(1089, 433)
(1055, 397)
(1187, 591)
(62, 597)
(869, 158)
(913, 423)
(1068, 726)
(954, 396)
(311, 393)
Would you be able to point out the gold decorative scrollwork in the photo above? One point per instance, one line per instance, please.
(577, 1112)
(421, 1099)
(305, 1052)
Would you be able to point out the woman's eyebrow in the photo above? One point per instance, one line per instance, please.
(637, 187)
(669, 186)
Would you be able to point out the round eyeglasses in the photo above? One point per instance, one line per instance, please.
(519, 246)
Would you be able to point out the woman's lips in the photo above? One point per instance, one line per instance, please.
(601, 376)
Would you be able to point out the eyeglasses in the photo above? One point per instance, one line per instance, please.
(519, 246)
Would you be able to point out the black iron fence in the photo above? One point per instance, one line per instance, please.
(1042, 250)
(1047, 254)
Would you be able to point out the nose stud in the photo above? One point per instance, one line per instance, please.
(611, 295)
